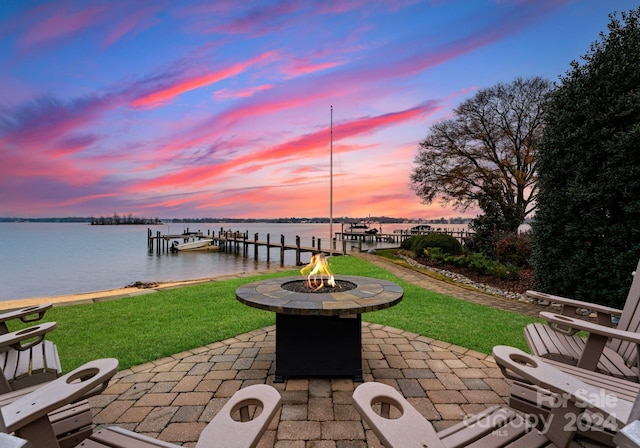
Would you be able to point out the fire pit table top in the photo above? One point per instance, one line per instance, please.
(369, 294)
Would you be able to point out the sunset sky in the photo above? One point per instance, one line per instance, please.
(222, 108)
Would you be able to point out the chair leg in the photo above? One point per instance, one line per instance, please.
(39, 433)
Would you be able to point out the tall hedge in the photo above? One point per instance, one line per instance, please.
(586, 232)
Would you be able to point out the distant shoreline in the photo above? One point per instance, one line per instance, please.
(164, 221)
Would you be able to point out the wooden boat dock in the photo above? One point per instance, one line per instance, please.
(397, 237)
(240, 242)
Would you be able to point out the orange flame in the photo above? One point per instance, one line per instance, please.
(318, 267)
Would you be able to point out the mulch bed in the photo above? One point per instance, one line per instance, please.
(525, 282)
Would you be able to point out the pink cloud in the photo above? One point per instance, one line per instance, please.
(315, 144)
(133, 22)
(72, 145)
(343, 6)
(301, 67)
(405, 59)
(54, 143)
(86, 198)
(309, 145)
(53, 22)
(44, 136)
(265, 199)
(38, 124)
(216, 126)
(306, 146)
(260, 19)
(224, 94)
(179, 201)
(337, 84)
(164, 94)
(29, 165)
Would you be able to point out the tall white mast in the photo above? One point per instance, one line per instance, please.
(331, 186)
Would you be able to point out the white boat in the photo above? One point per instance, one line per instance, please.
(194, 244)
(423, 228)
(361, 227)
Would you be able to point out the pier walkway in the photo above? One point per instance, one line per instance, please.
(239, 242)
(343, 242)
(173, 398)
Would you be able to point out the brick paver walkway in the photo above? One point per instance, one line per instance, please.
(426, 282)
(174, 398)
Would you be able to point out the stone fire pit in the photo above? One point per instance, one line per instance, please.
(318, 333)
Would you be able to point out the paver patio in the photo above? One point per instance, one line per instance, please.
(174, 398)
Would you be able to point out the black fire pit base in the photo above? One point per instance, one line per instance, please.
(318, 346)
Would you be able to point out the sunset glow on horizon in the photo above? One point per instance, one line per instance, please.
(222, 109)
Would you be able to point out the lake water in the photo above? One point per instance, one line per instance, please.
(52, 259)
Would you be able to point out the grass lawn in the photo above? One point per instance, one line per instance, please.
(144, 328)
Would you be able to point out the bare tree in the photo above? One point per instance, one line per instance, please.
(488, 149)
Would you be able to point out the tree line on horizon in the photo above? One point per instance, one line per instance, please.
(129, 219)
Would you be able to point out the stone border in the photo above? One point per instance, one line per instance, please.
(459, 278)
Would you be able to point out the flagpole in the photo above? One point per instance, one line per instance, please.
(331, 186)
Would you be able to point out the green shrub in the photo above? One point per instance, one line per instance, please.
(435, 254)
(446, 243)
(504, 270)
(407, 244)
(475, 261)
(514, 248)
(478, 262)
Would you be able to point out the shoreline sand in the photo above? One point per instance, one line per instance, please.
(118, 293)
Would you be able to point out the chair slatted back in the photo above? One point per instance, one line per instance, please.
(629, 321)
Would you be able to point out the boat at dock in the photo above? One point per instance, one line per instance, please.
(421, 229)
(361, 227)
(195, 244)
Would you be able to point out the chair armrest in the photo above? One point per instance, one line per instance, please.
(629, 436)
(576, 325)
(586, 396)
(23, 339)
(28, 314)
(11, 441)
(69, 388)
(226, 431)
(571, 305)
(410, 430)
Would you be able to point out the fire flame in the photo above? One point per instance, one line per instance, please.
(318, 267)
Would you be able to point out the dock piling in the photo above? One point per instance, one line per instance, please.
(255, 246)
(268, 246)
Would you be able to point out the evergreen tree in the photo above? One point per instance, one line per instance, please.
(586, 231)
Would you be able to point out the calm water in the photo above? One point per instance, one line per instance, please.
(52, 259)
